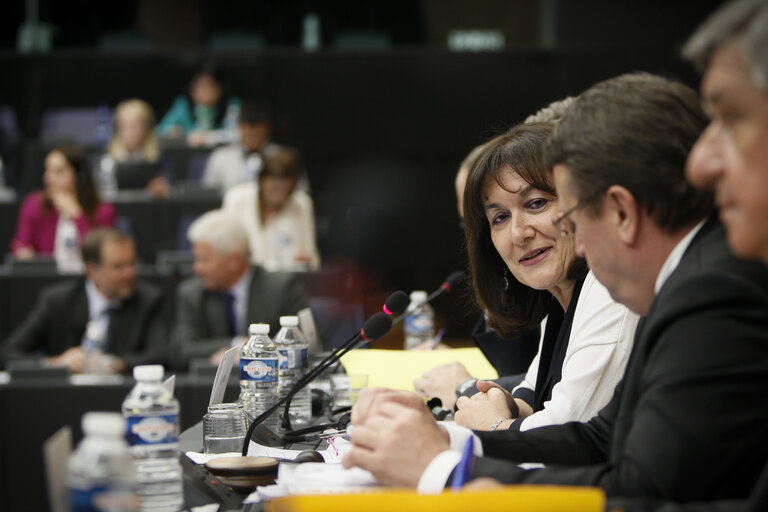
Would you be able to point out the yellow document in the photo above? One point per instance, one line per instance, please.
(396, 369)
(520, 497)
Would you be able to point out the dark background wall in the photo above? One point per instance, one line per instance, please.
(382, 127)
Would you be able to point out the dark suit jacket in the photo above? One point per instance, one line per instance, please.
(688, 421)
(509, 357)
(201, 316)
(59, 318)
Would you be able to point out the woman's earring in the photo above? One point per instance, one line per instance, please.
(506, 281)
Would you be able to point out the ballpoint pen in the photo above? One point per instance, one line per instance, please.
(436, 339)
(464, 468)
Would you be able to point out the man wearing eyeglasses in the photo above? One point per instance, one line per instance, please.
(688, 420)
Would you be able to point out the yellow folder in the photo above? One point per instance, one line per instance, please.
(396, 369)
(527, 498)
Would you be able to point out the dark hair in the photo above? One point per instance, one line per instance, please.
(282, 162)
(253, 112)
(635, 130)
(519, 308)
(85, 189)
(95, 240)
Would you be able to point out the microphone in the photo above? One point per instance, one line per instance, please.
(396, 303)
(375, 327)
(450, 282)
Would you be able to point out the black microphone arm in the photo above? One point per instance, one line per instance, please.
(395, 304)
(375, 327)
(451, 282)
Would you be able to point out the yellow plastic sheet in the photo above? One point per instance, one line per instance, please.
(396, 369)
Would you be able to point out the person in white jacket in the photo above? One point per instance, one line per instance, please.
(525, 272)
(278, 216)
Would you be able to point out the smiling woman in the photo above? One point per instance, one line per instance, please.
(525, 273)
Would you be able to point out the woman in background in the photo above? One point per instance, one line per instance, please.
(68, 198)
(133, 140)
(278, 216)
(202, 116)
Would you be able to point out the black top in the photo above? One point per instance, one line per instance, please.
(553, 349)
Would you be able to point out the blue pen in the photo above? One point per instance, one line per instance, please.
(437, 339)
(464, 468)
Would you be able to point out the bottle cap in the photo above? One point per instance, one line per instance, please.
(148, 372)
(289, 321)
(418, 297)
(258, 329)
(104, 423)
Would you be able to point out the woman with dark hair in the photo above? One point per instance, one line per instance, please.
(524, 273)
(68, 195)
(202, 115)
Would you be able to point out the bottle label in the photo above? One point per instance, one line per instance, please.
(258, 370)
(419, 324)
(292, 358)
(160, 429)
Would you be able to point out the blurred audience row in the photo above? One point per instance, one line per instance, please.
(263, 184)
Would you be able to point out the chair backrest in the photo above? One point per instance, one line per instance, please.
(196, 165)
(88, 126)
(336, 320)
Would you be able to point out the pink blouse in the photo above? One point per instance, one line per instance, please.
(36, 228)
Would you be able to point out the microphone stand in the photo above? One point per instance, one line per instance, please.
(380, 324)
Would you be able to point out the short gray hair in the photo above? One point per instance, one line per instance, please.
(224, 232)
(746, 20)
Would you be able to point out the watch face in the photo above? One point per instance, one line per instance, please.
(465, 385)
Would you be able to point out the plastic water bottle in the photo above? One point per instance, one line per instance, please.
(292, 354)
(100, 472)
(106, 178)
(258, 375)
(419, 320)
(152, 414)
(67, 247)
(93, 346)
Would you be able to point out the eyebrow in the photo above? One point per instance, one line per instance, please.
(523, 192)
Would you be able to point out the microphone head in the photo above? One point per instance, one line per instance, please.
(453, 280)
(376, 326)
(396, 303)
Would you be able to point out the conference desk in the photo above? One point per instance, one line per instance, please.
(31, 410)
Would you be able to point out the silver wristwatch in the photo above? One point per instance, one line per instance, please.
(465, 385)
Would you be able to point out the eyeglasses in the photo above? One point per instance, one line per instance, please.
(565, 225)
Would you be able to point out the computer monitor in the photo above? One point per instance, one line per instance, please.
(135, 175)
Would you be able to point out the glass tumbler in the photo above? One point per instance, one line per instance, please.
(224, 428)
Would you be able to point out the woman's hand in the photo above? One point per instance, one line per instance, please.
(66, 203)
(159, 187)
(24, 253)
(484, 408)
(441, 381)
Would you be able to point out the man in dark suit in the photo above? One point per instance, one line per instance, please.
(129, 311)
(688, 420)
(214, 308)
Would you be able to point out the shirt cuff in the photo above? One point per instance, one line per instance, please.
(436, 475)
(459, 436)
(527, 395)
